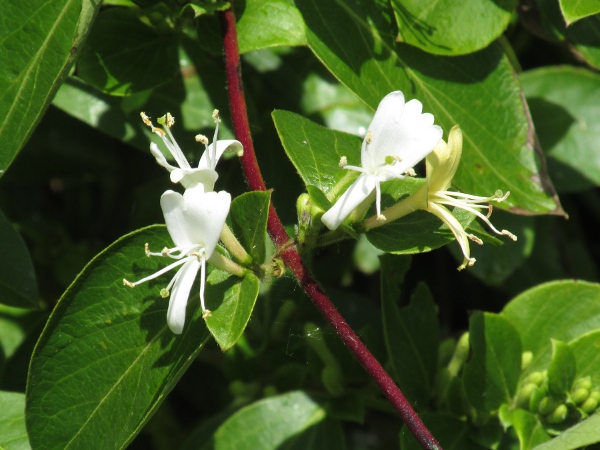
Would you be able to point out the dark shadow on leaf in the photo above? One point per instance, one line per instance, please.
(420, 29)
(551, 121)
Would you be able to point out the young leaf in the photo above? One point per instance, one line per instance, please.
(412, 333)
(587, 359)
(479, 92)
(269, 423)
(13, 435)
(563, 102)
(18, 285)
(451, 28)
(315, 151)
(231, 302)
(562, 310)
(573, 10)
(578, 436)
(40, 40)
(123, 55)
(562, 369)
(529, 429)
(492, 374)
(107, 359)
(248, 220)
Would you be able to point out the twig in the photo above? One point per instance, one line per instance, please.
(290, 256)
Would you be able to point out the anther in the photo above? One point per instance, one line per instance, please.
(475, 239)
(146, 119)
(147, 249)
(343, 162)
(410, 172)
(206, 314)
(369, 137)
(202, 139)
(381, 218)
(215, 116)
(128, 283)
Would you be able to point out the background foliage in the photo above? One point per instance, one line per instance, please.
(503, 355)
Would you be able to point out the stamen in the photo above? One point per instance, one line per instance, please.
(490, 209)
(156, 274)
(206, 314)
(170, 120)
(369, 137)
(509, 234)
(147, 249)
(343, 162)
(381, 218)
(128, 283)
(202, 139)
(378, 199)
(202, 281)
(215, 116)
(475, 239)
(212, 162)
(164, 293)
(146, 120)
(410, 172)
(165, 251)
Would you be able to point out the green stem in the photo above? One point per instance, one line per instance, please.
(234, 247)
(223, 263)
(414, 202)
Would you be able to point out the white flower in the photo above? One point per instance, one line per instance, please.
(399, 136)
(194, 221)
(205, 173)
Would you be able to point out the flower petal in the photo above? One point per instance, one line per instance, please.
(205, 214)
(181, 293)
(222, 147)
(354, 196)
(443, 161)
(190, 178)
(173, 207)
(399, 129)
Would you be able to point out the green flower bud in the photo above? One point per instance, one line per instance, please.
(548, 405)
(595, 394)
(332, 380)
(580, 395)
(584, 383)
(590, 405)
(526, 358)
(525, 393)
(536, 398)
(558, 415)
(535, 378)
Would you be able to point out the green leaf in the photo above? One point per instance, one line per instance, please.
(231, 302)
(40, 40)
(491, 376)
(529, 429)
(123, 55)
(479, 92)
(587, 358)
(578, 436)
(248, 220)
(18, 285)
(315, 151)
(573, 10)
(563, 102)
(562, 310)
(412, 333)
(417, 232)
(327, 434)
(451, 28)
(451, 433)
(13, 435)
(262, 24)
(562, 369)
(269, 423)
(106, 359)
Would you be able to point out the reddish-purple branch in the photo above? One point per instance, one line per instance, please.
(290, 256)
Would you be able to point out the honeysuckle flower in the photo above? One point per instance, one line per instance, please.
(205, 173)
(434, 196)
(194, 221)
(399, 136)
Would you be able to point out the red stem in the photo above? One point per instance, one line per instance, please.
(290, 256)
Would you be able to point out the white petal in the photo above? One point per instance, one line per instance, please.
(181, 293)
(193, 177)
(400, 130)
(173, 207)
(354, 196)
(215, 154)
(206, 214)
(160, 157)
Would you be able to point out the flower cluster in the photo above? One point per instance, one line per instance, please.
(400, 136)
(194, 220)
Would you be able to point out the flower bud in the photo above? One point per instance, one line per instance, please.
(595, 393)
(558, 415)
(590, 405)
(525, 393)
(526, 358)
(547, 405)
(584, 383)
(536, 398)
(535, 378)
(580, 395)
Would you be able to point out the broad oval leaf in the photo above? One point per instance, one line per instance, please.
(529, 429)
(448, 27)
(564, 105)
(562, 369)
(18, 285)
(587, 357)
(573, 10)
(562, 310)
(123, 55)
(479, 92)
(40, 40)
(13, 434)
(106, 359)
(248, 220)
(578, 436)
(269, 423)
(491, 375)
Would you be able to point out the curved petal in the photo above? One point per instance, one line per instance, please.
(402, 130)
(443, 161)
(205, 214)
(173, 207)
(190, 178)
(354, 196)
(160, 157)
(215, 154)
(181, 293)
